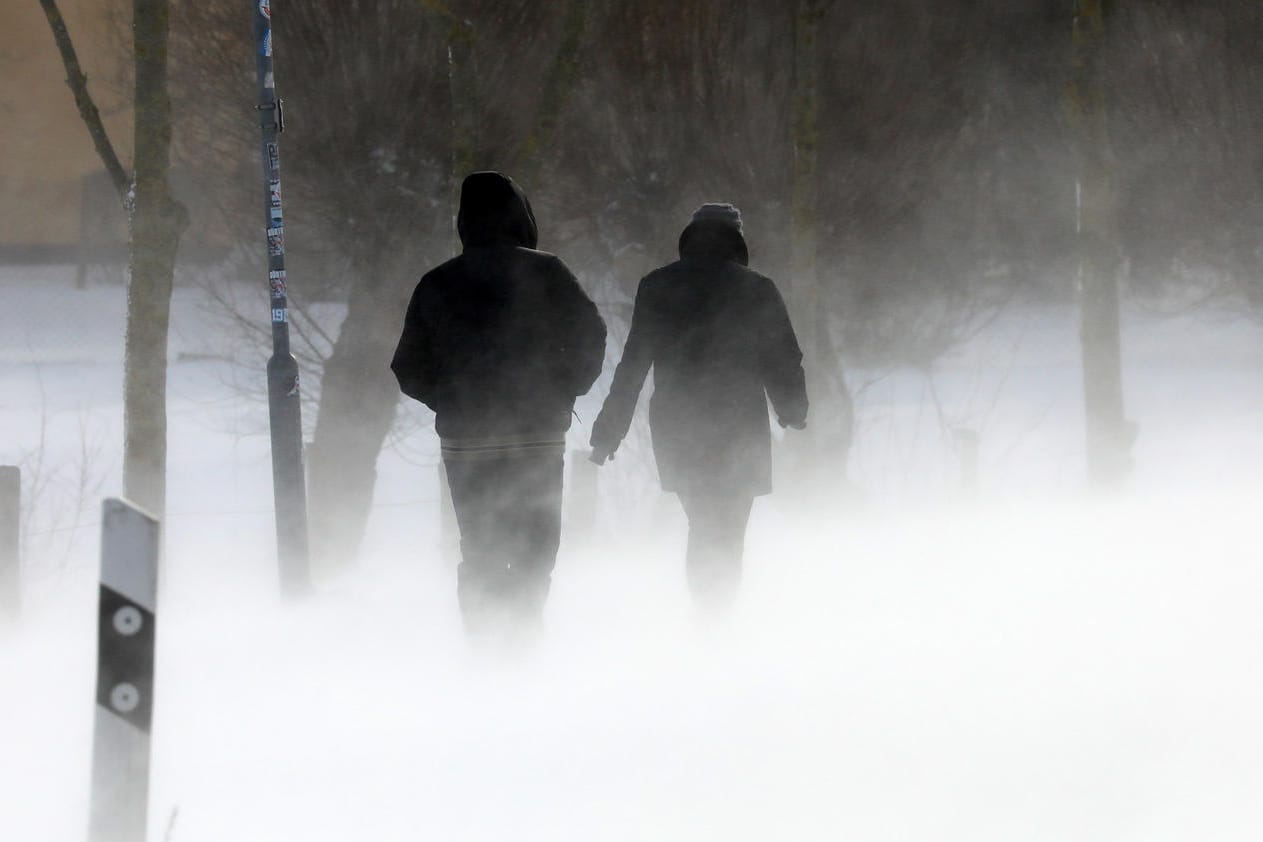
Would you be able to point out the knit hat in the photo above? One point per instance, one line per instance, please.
(723, 213)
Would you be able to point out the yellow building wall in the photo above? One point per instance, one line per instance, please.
(44, 146)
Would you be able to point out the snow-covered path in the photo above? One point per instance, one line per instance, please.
(1024, 666)
(1081, 673)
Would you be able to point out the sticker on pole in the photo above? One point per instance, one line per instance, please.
(280, 315)
(265, 8)
(276, 279)
(274, 160)
(276, 242)
(267, 43)
(274, 193)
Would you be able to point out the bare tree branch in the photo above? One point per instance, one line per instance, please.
(78, 83)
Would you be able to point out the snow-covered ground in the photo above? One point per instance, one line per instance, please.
(922, 664)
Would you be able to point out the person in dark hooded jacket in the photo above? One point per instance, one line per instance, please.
(499, 342)
(719, 340)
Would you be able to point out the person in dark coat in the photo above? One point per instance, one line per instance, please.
(499, 342)
(719, 340)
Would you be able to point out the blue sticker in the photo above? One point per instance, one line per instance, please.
(267, 42)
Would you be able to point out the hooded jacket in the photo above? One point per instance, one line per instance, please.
(500, 340)
(718, 337)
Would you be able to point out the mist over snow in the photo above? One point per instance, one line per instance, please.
(918, 662)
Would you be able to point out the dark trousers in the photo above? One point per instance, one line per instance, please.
(717, 533)
(509, 512)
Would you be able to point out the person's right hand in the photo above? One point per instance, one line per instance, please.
(599, 455)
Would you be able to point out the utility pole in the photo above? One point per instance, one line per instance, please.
(284, 405)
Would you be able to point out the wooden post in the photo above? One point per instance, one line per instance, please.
(10, 542)
(125, 674)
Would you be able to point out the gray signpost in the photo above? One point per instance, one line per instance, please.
(125, 674)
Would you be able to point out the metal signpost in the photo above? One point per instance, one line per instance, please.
(285, 409)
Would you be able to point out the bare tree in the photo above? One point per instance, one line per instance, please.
(1185, 83)
(915, 160)
(156, 222)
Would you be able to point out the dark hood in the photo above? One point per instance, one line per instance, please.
(708, 239)
(494, 212)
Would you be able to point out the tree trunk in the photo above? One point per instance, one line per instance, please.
(358, 398)
(358, 392)
(1101, 263)
(820, 452)
(157, 222)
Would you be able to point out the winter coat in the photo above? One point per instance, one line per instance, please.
(500, 340)
(719, 338)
